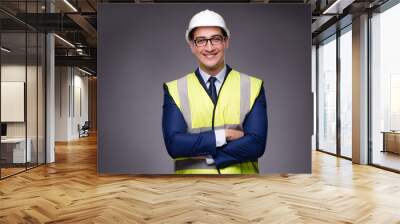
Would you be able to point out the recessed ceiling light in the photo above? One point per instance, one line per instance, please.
(64, 40)
(84, 71)
(70, 5)
(5, 50)
(337, 7)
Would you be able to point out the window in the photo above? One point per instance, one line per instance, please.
(327, 95)
(346, 93)
(22, 77)
(385, 88)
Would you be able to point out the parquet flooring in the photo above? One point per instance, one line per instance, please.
(71, 191)
(10, 171)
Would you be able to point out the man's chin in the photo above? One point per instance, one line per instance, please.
(211, 66)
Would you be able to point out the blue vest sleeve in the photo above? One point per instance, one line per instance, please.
(178, 141)
(252, 145)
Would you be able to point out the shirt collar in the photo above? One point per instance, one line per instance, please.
(220, 76)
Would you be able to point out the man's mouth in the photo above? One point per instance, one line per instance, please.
(209, 56)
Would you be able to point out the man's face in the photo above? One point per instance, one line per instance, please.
(210, 56)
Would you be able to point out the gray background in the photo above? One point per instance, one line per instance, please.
(142, 46)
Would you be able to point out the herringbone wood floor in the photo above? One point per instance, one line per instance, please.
(70, 191)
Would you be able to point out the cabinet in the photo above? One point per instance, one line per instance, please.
(391, 141)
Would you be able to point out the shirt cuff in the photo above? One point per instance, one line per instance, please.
(220, 138)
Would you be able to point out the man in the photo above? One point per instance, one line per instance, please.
(214, 119)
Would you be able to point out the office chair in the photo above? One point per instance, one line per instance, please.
(84, 130)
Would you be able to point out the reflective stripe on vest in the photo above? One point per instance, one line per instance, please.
(242, 168)
(198, 111)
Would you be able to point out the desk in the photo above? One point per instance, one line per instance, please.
(391, 141)
(13, 150)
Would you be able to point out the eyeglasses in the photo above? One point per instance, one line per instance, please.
(215, 40)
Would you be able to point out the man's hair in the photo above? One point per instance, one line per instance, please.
(191, 33)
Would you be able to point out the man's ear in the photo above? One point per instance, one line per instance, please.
(191, 46)
(227, 43)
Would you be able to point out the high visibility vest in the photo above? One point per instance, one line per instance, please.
(235, 99)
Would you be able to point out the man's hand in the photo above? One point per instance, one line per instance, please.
(232, 134)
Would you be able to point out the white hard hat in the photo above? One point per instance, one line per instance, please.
(206, 18)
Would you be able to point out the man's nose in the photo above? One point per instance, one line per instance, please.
(209, 46)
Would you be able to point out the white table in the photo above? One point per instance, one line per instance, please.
(18, 144)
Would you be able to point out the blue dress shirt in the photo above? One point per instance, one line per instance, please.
(220, 138)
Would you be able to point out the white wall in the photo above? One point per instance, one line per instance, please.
(62, 81)
(14, 72)
(17, 73)
(81, 103)
(71, 102)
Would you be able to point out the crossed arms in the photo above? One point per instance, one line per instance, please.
(249, 147)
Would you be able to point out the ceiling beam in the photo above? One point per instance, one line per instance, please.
(82, 61)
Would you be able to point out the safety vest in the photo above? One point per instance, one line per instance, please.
(235, 99)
